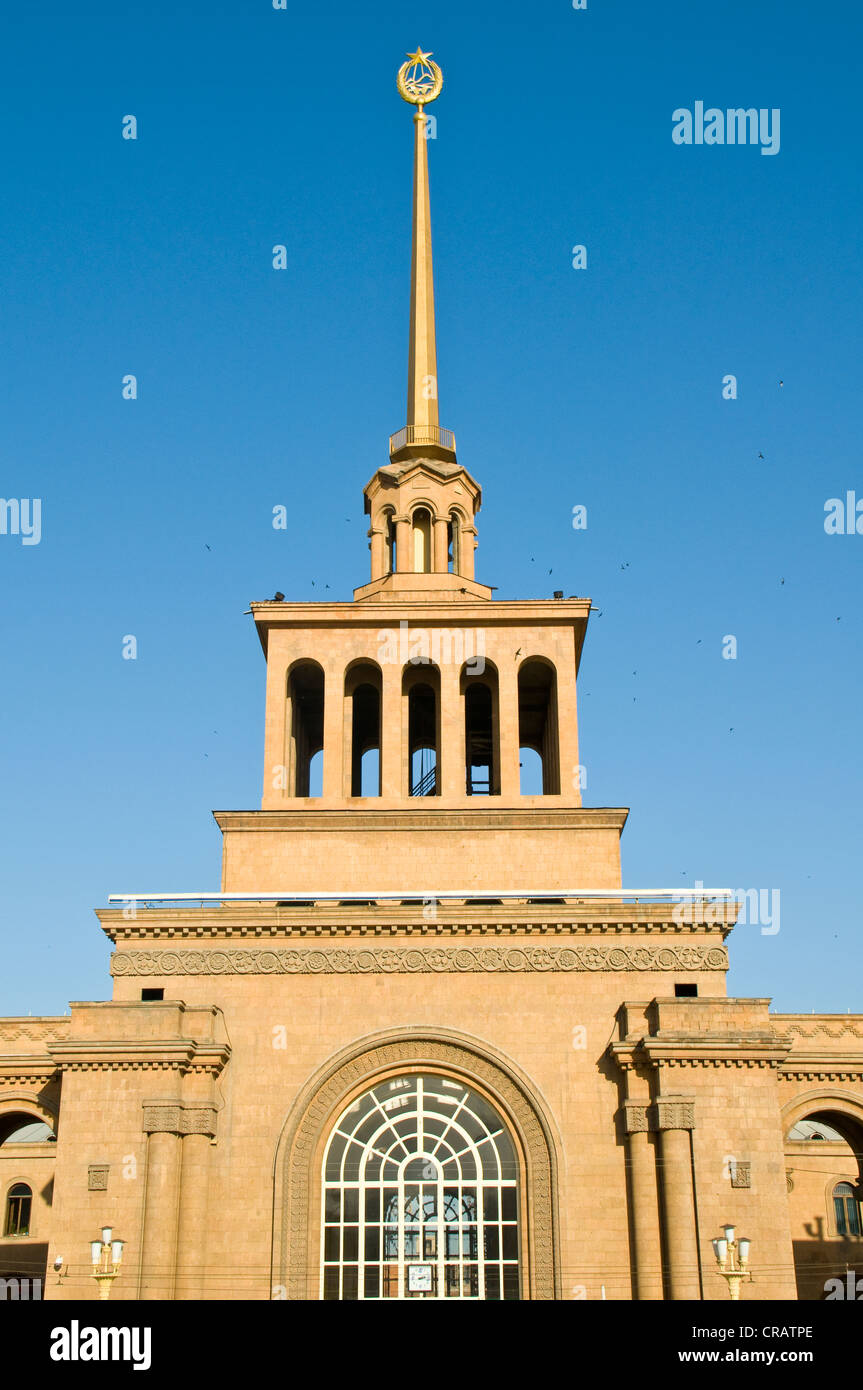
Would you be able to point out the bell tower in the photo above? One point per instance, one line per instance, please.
(424, 734)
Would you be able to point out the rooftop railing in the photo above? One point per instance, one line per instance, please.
(422, 434)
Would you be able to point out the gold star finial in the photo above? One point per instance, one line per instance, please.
(419, 80)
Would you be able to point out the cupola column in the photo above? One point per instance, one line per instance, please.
(466, 551)
(404, 558)
(378, 547)
(441, 545)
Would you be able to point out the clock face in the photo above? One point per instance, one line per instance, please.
(419, 1278)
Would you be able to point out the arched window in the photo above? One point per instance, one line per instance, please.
(306, 728)
(363, 689)
(420, 1196)
(421, 687)
(846, 1209)
(481, 732)
(25, 1129)
(421, 530)
(537, 727)
(18, 1203)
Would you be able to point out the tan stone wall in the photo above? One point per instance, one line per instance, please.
(553, 1026)
(417, 855)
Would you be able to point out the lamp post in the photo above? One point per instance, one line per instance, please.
(732, 1260)
(106, 1255)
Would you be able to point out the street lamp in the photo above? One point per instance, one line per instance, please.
(732, 1260)
(106, 1255)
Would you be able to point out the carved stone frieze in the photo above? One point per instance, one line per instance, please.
(741, 1174)
(97, 1177)
(419, 960)
(179, 1117)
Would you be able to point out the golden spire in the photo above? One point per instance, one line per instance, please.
(419, 82)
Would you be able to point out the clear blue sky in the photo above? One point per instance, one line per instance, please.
(600, 387)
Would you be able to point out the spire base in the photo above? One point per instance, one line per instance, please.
(423, 441)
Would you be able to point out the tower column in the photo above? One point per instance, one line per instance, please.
(510, 780)
(334, 724)
(452, 750)
(644, 1202)
(162, 1124)
(392, 774)
(675, 1121)
(567, 736)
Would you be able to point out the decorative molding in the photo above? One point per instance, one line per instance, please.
(410, 960)
(97, 1177)
(675, 1112)
(35, 1030)
(170, 1054)
(636, 1119)
(286, 923)
(824, 1030)
(741, 1173)
(179, 1117)
(796, 1071)
(296, 1265)
(17, 1075)
(459, 818)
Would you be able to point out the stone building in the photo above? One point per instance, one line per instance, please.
(422, 1043)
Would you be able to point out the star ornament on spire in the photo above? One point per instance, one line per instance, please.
(419, 80)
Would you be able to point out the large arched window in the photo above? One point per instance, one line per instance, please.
(306, 729)
(421, 690)
(537, 729)
(363, 690)
(481, 731)
(25, 1129)
(420, 1196)
(19, 1201)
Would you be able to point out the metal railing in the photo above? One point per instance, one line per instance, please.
(427, 785)
(422, 434)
